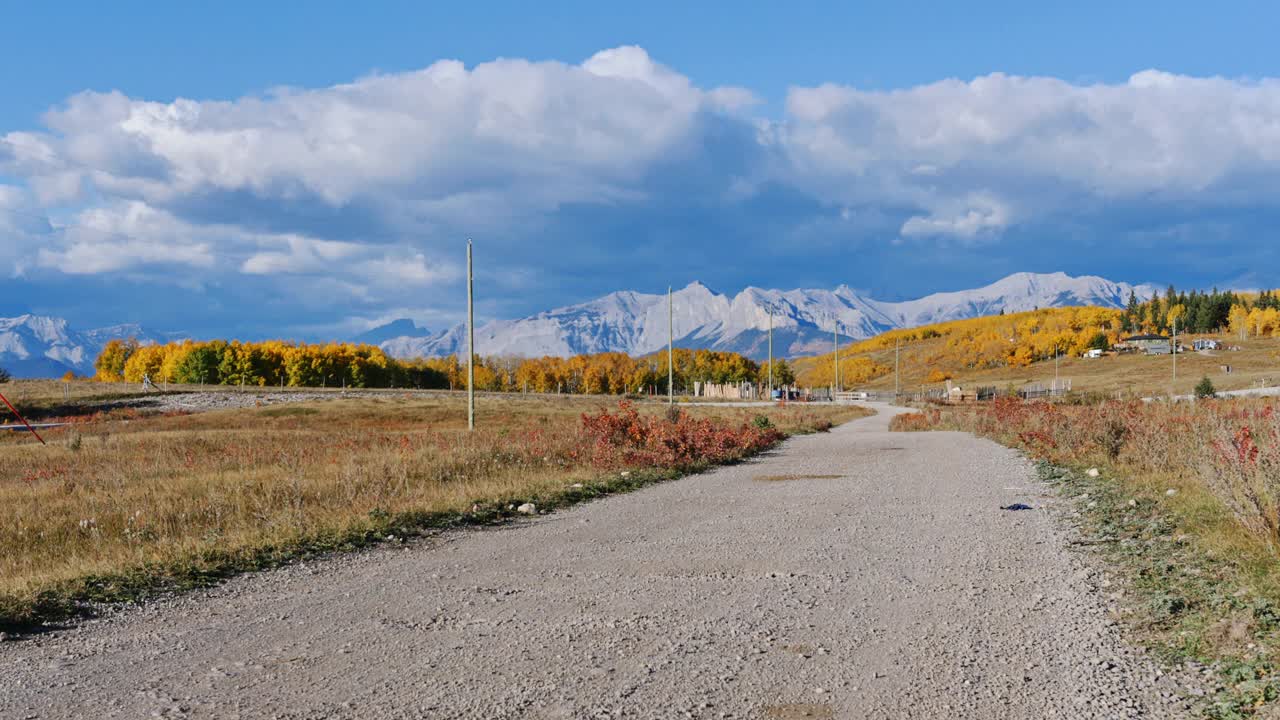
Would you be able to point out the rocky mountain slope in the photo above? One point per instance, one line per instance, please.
(803, 320)
(41, 346)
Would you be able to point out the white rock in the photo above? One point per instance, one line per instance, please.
(527, 509)
(626, 473)
(576, 486)
(1092, 472)
(1171, 492)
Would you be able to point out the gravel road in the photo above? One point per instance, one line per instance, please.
(852, 574)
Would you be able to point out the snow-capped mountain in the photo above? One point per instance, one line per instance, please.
(40, 346)
(803, 320)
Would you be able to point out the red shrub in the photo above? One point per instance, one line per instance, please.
(629, 439)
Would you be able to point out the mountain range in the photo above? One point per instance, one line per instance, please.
(803, 320)
(41, 346)
(631, 322)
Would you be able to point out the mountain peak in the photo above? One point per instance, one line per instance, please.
(697, 287)
(803, 319)
(43, 346)
(400, 327)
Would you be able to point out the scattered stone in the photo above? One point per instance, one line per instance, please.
(1016, 506)
(1171, 492)
(1092, 472)
(527, 509)
(577, 486)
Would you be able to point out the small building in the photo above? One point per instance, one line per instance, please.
(1094, 353)
(1205, 344)
(1142, 342)
(956, 394)
(1150, 344)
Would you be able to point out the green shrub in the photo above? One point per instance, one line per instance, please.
(1205, 388)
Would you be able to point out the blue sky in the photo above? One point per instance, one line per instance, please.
(280, 169)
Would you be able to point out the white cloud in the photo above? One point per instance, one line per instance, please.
(410, 270)
(121, 237)
(978, 215)
(361, 189)
(507, 141)
(544, 133)
(301, 255)
(1038, 143)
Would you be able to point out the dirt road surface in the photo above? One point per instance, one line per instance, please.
(853, 574)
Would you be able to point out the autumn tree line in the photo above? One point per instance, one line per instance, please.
(1243, 314)
(286, 364)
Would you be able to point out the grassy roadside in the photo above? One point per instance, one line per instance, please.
(1198, 580)
(120, 511)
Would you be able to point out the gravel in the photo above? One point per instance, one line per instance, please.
(226, 398)
(898, 589)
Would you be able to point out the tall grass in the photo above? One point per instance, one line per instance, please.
(113, 506)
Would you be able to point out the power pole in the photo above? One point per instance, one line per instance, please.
(471, 347)
(770, 353)
(897, 378)
(671, 363)
(1173, 347)
(835, 343)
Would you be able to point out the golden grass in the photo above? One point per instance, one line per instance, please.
(1258, 362)
(168, 495)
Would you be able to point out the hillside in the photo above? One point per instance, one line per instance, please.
(947, 349)
(1018, 349)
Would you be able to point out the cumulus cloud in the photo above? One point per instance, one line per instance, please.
(973, 217)
(1035, 145)
(541, 132)
(120, 237)
(369, 187)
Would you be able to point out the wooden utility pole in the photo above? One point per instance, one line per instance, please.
(671, 363)
(1173, 348)
(897, 377)
(471, 347)
(835, 343)
(770, 353)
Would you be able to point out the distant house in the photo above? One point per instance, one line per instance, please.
(1150, 344)
(1094, 353)
(1206, 344)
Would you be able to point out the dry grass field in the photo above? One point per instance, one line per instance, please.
(1257, 363)
(127, 503)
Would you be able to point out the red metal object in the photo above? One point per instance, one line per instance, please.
(24, 420)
